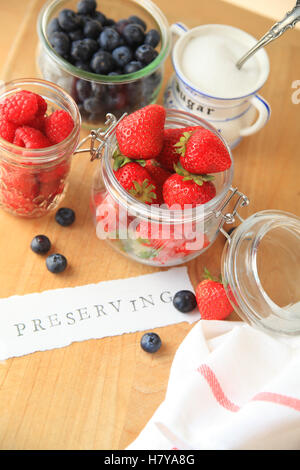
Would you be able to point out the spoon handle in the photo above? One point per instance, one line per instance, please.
(289, 21)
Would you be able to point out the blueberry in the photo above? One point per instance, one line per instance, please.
(83, 66)
(40, 244)
(87, 7)
(134, 35)
(120, 25)
(98, 90)
(116, 101)
(152, 38)
(150, 342)
(145, 54)
(84, 49)
(137, 20)
(115, 73)
(109, 39)
(93, 105)
(65, 216)
(76, 35)
(109, 22)
(99, 17)
(185, 301)
(122, 55)
(60, 42)
(56, 263)
(68, 20)
(102, 63)
(83, 89)
(92, 29)
(53, 27)
(133, 66)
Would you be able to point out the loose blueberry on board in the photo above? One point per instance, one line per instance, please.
(152, 38)
(56, 263)
(87, 7)
(40, 244)
(65, 216)
(150, 342)
(185, 301)
(68, 20)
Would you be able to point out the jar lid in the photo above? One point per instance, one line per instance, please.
(261, 271)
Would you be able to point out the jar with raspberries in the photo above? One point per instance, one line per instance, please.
(163, 180)
(39, 131)
(108, 55)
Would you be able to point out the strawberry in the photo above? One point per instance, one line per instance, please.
(140, 135)
(183, 188)
(169, 156)
(159, 174)
(137, 182)
(212, 300)
(201, 151)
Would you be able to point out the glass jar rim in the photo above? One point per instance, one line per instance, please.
(47, 154)
(148, 5)
(231, 270)
(159, 214)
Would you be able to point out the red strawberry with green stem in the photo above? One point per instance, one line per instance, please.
(212, 300)
(201, 151)
(184, 188)
(140, 134)
(137, 182)
(169, 155)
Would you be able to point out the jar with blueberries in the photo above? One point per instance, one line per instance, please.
(108, 60)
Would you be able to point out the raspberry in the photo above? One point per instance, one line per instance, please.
(38, 123)
(20, 108)
(30, 138)
(7, 130)
(58, 126)
(20, 181)
(42, 105)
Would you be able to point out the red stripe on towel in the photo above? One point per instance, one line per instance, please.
(222, 399)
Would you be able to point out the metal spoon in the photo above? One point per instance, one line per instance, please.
(288, 22)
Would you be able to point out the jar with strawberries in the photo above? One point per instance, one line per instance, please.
(39, 131)
(150, 200)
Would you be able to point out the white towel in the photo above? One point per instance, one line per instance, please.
(231, 387)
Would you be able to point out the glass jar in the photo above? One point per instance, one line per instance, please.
(96, 95)
(261, 271)
(34, 181)
(261, 258)
(155, 235)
